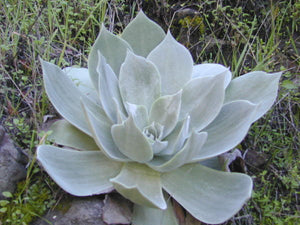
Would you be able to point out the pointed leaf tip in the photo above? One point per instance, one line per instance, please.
(174, 63)
(143, 34)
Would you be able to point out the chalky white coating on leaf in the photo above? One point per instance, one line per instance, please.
(139, 81)
(257, 87)
(159, 122)
(209, 195)
(108, 88)
(141, 185)
(202, 100)
(131, 142)
(64, 133)
(174, 63)
(101, 132)
(82, 80)
(112, 47)
(165, 111)
(211, 70)
(80, 173)
(150, 34)
(150, 216)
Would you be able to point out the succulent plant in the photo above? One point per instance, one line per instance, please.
(145, 121)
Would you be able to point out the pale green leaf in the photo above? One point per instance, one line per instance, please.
(143, 34)
(131, 142)
(191, 148)
(101, 132)
(150, 216)
(66, 97)
(139, 81)
(165, 111)
(209, 195)
(202, 100)
(228, 129)
(177, 138)
(80, 173)
(257, 87)
(112, 47)
(141, 185)
(211, 70)
(66, 134)
(108, 89)
(174, 63)
(139, 114)
(82, 80)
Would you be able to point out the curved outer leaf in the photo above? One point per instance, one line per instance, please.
(257, 87)
(83, 173)
(174, 63)
(66, 134)
(66, 97)
(228, 129)
(150, 216)
(112, 47)
(101, 131)
(165, 111)
(139, 81)
(108, 89)
(81, 78)
(131, 142)
(184, 156)
(209, 195)
(202, 100)
(211, 70)
(141, 185)
(149, 34)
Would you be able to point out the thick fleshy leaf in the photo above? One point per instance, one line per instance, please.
(143, 34)
(211, 70)
(212, 163)
(81, 78)
(108, 89)
(150, 216)
(184, 156)
(112, 47)
(139, 81)
(66, 134)
(228, 129)
(177, 138)
(139, 114)
(202, 100)
(80, 173)
(165, 111)
(209, 195)
(158, 146)
(141, 185)
(66, 97)
(174, 63)
(131, 142)
(257, 87)
(101, 132)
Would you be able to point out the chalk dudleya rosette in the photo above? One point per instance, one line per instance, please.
(147, 122)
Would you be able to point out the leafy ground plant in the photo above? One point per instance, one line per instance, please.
(147, 145)
(262, 35)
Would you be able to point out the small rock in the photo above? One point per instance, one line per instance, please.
(117, 210)
(11, 170)
(255, 158)
(81, 211)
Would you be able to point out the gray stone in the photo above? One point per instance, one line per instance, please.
(11, 170)
(117, 210)
(80, 211)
